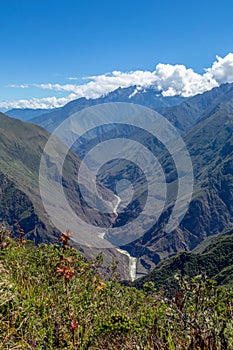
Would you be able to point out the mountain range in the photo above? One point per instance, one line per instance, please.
(50, 119)
(209, 143)
(205, 122)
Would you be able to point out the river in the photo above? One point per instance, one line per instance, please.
(132, 260)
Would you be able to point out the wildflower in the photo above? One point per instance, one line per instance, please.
(69, 259)
(101, 286)
(65, 237)
(61, 269)
(67, 272)
(74, 325)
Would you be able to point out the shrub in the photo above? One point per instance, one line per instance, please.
(51, 298)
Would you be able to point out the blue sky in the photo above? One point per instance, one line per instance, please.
(47, 41)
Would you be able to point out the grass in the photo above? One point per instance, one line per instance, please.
(52, 298)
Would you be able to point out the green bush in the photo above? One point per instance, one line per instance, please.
(51, 298)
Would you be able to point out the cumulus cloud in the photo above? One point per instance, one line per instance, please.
(222, 69)
(170, 79)
(178, 80)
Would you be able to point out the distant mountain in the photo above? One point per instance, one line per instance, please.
(26, 114)
(181, 112)
(147, 97)
(187, 114)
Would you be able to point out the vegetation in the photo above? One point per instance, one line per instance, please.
(206, 121)
(51, 298)
(22, 146)
(215, 261)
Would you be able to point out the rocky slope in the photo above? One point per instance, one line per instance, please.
(210, 143)
(22, 145)
(206, 122)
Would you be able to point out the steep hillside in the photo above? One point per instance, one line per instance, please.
(51, 298)
(22, 145)
(210, 143)
(185, 115)
(216, 262)
(21, 148)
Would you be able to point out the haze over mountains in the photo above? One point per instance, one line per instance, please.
(205, 122)
(147, 97)
(22, 145)
(26, 114)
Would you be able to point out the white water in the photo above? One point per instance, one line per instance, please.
(117, 205)
(114, 210)
(101, 235)
(132, 264)
(132, 261)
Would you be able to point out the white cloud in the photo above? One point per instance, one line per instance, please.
(178, 80)
(169, 79)
(222, 69)
(34, 103)
(72, 78)
(21, 86)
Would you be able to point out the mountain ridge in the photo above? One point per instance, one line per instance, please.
(22, 145)
(210, 143)
(51, 120)
(215, 262)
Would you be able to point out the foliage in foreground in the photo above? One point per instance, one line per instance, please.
(51, 298)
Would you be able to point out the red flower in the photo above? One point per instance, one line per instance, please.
(61, 269)
(74, 325)
(67, 272)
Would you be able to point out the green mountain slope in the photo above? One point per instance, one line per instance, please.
(21, 149)
(22, 145)
(216, 262)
